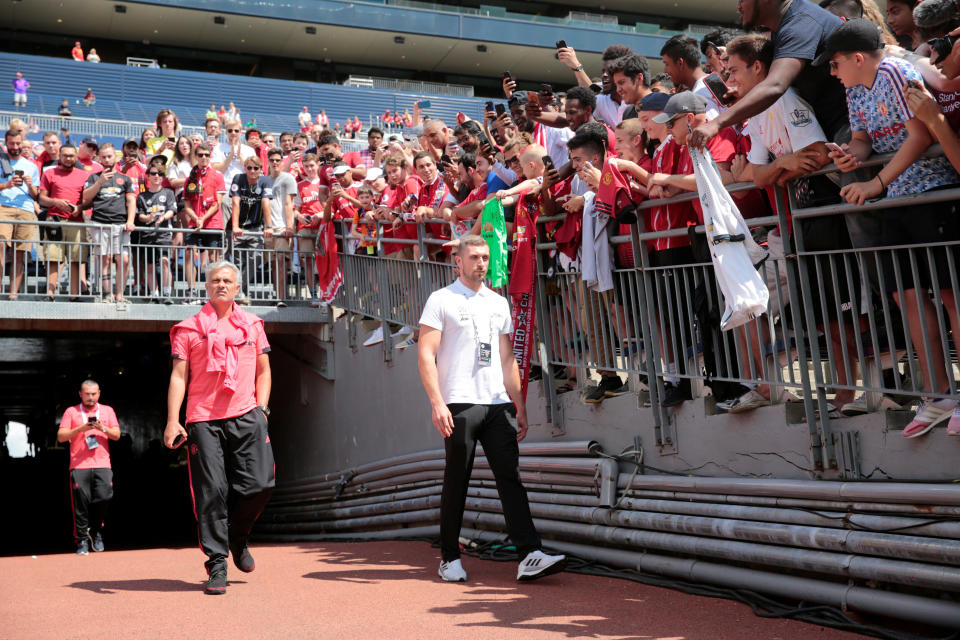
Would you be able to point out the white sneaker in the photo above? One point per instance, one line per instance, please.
(538, 564)
(748, 402)
(452, 571)
(402, 332)
(409, 342)
(375, 338)
(930, 413)
(859, 406)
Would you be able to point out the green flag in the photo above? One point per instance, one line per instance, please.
(493, 228)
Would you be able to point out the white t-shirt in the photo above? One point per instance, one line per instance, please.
(609, 111)
(305, 118)
(466, 318)
(787, 126)
(283, 185)
(179, 170)
(554, 140)
(220, 153)
(714, 108)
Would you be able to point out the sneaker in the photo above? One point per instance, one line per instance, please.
(409, 342)
(315, 302)
(747, 402)
(402, 332)
(859, 406)
(930, 413)
(611, 384)
(168, 300)
(241, 557)
(97, 539)
(281, 304)
(953, 427)
(674, 394)
(538, 564)
(83, 547)
(375, 338)
(452, 571)
(217, 582)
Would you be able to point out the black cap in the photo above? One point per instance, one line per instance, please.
(655, 101)
(131, 142)
(681, 104)
(852, 35)
(90, 140)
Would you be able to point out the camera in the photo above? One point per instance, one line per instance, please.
(327, 158)
(943, 46)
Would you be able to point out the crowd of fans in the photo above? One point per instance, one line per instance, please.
(801, 87)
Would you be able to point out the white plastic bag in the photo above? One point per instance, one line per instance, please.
(733, 249)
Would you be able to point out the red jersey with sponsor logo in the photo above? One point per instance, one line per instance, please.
(666, 159)
(353, 161)
(432, 195)
(310, 205)
(393, 197)
(343, 208)
(200, 193)
(524, 265)
(136, 172)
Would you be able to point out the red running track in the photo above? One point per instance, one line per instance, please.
(352, 590)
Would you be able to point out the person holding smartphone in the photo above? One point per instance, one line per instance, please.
(89, 427)
(61, 190)
(472, 380)
(221, 363)
(18, 194)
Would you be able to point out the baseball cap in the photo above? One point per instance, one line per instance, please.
(77, 43)
(373, 173)
(340, 169)
(680, 104)
(91, 141)
(131, 142)
(853, 35)
(19, 75)
(654, 101)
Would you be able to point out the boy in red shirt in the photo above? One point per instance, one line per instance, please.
(89, 427)
(309, 204)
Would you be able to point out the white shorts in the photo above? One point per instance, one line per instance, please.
(110, 240)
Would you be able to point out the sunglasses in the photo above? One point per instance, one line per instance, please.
(514, 159)
(253, 168)
(203, 155)
(154, 173)
(233, 130)
(276, 159)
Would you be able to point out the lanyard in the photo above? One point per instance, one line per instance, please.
(97, 414)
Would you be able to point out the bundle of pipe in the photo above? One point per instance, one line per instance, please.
(803, 536)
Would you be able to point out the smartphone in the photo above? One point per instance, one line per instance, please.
(833, 146)
(424, 104)
(547, 163)
(500, 109)
(445, 159)
(534, 97)
(561, 44)
(91, 419)
(507, 76)
(718, 88)
(915, 84)
(488, 106)
(18, 172)
(171, 139)
(179, 440)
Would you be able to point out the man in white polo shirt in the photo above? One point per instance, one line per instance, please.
(473, 383)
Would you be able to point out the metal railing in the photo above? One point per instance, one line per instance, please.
(413, 86)
(843, 321)
(101, 127)
(162, 264)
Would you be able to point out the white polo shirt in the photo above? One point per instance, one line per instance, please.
(466, 319)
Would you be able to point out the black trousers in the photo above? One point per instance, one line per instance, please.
(91, 492)
(493, 425)
(231, 477)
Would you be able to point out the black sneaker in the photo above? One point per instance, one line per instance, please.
(97, 542)
(83, 547)
(241, 557)
(217, 582)
(674, 394)
(609, 386)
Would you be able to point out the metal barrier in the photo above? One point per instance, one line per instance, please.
(100, 127)
(162, 265)
(835, 328)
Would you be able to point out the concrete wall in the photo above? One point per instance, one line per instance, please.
(376, 409)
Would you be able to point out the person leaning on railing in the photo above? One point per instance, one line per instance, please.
(19, 179)
(882, 122)
(61, 190)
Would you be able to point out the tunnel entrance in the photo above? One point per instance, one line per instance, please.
(40, 375)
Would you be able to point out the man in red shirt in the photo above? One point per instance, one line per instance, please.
(61, 191)
(202, 195)
(329, 152)
(89, 427)
(397, 204)
(432, 194)
(77, 52)
(130, 165)
(343, 193)
(220, 361)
